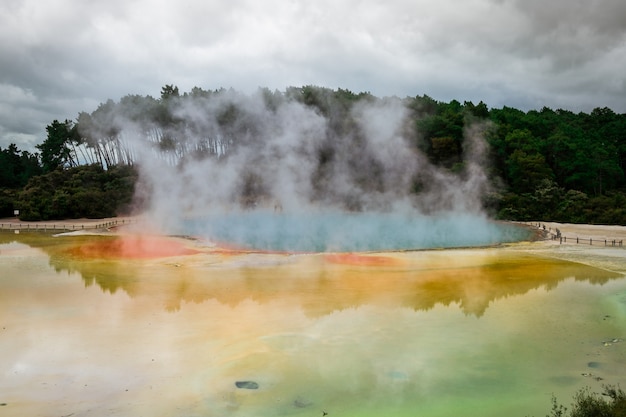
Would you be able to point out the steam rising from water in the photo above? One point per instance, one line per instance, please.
(266, 171)
(348, 232)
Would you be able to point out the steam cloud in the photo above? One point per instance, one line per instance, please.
(267, 171)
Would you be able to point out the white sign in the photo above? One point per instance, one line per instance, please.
(16, 212)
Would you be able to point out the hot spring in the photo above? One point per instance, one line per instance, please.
(133, 325)
(338, 231)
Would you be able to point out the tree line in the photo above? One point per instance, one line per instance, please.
(551, 165)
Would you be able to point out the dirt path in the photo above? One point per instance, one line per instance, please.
(584, 232)
(13, 223)
(601, 246)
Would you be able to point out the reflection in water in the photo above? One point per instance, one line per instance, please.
(484, 332)
(321, 283)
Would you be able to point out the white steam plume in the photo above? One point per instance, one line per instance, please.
(227, 155)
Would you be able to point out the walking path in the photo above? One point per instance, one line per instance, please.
(583, 234)
(64, 225)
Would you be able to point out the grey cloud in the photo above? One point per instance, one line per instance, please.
(600, 18)
(572, 33)
(72, 55)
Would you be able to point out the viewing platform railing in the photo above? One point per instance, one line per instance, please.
(65, 226)
(557, 235)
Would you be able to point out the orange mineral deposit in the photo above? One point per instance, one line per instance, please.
(133, 247)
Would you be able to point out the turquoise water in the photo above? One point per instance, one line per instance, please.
(320, 231)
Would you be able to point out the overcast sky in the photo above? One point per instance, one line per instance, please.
(60, 57)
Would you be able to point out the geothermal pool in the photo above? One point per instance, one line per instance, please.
(146, 326)
(323, 231)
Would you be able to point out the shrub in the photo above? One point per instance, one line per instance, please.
(85, 191)
(612, 403)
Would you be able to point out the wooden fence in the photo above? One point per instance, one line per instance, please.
(556, 235)
(63, 227)
(590, 241)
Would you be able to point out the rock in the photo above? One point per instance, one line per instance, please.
(247, 385)
(301, 403)
(611, 341)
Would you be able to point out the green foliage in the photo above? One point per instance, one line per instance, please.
(547, 164)
(611, 403)
(169, 91)
(584, 154)
(80, 192)
(16, 167)
(606, 209)
(441, 127)
(558, 410)
(590, 404)
(56, 150)
(7, 199)
(480, 110)
(526, 171)
(445, 151)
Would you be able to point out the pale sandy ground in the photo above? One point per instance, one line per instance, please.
(603, 251)
(587, 231)
(88, 223)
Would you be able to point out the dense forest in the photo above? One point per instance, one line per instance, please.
(550, 165)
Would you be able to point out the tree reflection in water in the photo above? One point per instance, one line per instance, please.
(182, 271)
(167, 327)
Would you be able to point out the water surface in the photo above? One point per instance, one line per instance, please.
(327, 231)
(473, 332)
